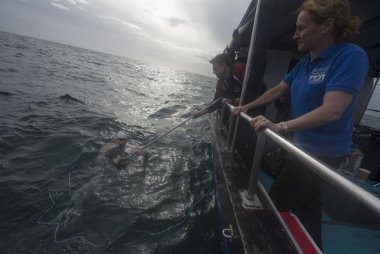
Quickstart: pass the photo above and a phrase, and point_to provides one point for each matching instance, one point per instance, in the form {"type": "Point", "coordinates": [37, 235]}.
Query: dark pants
{"type": "Point", "coordinates": [298, 189]}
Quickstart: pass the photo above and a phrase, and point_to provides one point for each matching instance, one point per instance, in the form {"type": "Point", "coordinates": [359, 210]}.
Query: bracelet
{"type": "Point", "coordinates": [284, 126]}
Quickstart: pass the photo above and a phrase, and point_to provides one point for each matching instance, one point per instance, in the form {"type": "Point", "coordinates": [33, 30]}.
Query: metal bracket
{"type": "Point", "coordinates": [229, 233]}
{"type": "Point", "coordinates": [250, 202]}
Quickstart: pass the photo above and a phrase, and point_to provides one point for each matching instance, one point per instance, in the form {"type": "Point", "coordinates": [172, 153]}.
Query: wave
{"type": "Point", "coordinates": [135, 92]}
{"type": "Point", "coordinates": [5, 93]}
{"type": "Point", "coordinates": [166, 112]}
{"type": "Point", "coordinates": [8, 70]}
{"type": "Point", "coordinates": [97, 63]}
{"type": "Point", "coordinates": [21, 47]}
{"type": "Point", "coordinates": [5, 147]}
{"type": "Point", "coordinates": [18, 55]}
{"type": "Point", "coordinates": [69, 98]}
{"type": "Point", "coordinates": [54, 129]}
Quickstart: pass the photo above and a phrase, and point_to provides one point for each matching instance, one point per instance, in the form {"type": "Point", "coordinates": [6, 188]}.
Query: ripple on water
{"type": "Point", "coordinates": [52, 130]}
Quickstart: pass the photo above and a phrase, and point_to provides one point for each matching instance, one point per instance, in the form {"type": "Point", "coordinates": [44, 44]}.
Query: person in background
{"type": "Point", "coordinates": [230, 80]}
{"type": "Point", "coordinates": [118, 149]}
{"type": "Point", "coordinates": [324, 87]}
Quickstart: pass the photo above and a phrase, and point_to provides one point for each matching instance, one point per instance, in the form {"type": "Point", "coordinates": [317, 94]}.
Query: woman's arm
{"type": "Point", "coordinates": [269, 96]}
{"type": "Point", "coordinates": [334, 104]}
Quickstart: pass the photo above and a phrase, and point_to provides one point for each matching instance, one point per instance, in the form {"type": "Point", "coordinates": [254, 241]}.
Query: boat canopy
{"type": "Point", "coordinates": [283, 27]}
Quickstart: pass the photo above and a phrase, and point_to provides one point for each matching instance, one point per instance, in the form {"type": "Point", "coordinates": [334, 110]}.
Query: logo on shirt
{"type": "Point", "coordinates": [317, 75]}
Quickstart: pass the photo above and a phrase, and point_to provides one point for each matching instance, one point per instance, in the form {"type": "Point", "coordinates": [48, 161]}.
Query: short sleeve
{"type": "Point", "coordinates": [288, 79]}
{"type": "Point", "coordinates": [349, 71]}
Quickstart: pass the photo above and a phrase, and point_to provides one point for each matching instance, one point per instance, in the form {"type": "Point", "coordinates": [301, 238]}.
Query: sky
{"type": "Point", "coordinates": [179, 34]}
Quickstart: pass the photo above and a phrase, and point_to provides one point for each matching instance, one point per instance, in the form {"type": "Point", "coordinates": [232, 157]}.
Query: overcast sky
{"type": "Point", "coordinates": [182, 34]}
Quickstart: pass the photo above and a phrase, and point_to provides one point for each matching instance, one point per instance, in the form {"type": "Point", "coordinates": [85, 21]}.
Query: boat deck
{"type": "Point", "coordinates": [343, 234]}
{"type": "Point", "coordinates": [260, 230]}
{"type": "Point", "coordinates": [347, 228]}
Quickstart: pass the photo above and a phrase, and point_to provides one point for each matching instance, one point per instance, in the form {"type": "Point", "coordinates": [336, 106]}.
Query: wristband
{"type": "Point", "coordinates": [284, 126]}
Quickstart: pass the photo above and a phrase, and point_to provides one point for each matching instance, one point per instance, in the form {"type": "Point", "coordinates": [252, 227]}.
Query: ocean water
{"type": "Point", "coordinates": [59, 105]}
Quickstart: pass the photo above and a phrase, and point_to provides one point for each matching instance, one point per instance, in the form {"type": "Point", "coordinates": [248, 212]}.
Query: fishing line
{"type": "Point", "coordinates": [182, 220]}
{"type": "Point", "coordinates": [57, 225]}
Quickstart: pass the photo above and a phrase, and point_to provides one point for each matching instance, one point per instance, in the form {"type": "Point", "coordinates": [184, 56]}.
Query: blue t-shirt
{"type": "Point", "coordinates": [340, 67]}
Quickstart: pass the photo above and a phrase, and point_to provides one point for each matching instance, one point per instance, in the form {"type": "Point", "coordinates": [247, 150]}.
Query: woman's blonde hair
{"type": "Point", "coordinates": [346, 26]}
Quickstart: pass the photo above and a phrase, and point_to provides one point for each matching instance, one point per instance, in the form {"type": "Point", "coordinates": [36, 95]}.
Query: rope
{"type": "Point", "coordinates": [182, 220]}
{"type": "Point", "coordinates": [57, 224]}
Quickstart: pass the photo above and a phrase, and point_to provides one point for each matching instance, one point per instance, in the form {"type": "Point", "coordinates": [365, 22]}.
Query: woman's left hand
{"type": "Point", "coordinates": [260, 123]}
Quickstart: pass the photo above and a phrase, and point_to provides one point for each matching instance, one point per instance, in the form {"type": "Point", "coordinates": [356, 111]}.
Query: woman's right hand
{"type": "Point", "coordinates": [239, 109]}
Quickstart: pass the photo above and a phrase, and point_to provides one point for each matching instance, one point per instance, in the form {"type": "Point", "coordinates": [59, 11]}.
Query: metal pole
{"type": "Point", "coordinates": [259, 152]}
{"type": "Point", "coordinates": [202, 112]}
{"type": "Point", "coordinates": [230, 130]}
{"type": "Point", "coordinates": [249, 199]}
{"type": "Point", "coordinates": [328, 174]}
{"type": "Point", "coordinates": [156, 139]}
{"type": "Point", "coordinates": [222, 117]}
{"type": "Point", "coordinates": [248, 67]}
{"type": "Point", "coordinates": [259, 43]}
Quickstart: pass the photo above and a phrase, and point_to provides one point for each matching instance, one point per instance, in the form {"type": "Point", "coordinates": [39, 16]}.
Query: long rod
{"type": "Point", "coordinates": [202, 112]}
{"type": "Point", "coordinates": [156, 139]}
{"type": "Point", "coordinates": [368, 199]}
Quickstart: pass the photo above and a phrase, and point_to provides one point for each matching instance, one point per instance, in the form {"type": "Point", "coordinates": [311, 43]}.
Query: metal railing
{"type": "Point", "coordinates": [328, 174]}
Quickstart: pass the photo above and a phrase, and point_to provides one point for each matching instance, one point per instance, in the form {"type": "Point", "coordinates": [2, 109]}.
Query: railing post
{"type": "Point", "coordinates": [259, 152]}
{"type": "Point", "coordinates": [249, 199]}
{"type": "Point", "coordinates": [222, 113]}
{"type": "Point", "coordinates": [230, 131]}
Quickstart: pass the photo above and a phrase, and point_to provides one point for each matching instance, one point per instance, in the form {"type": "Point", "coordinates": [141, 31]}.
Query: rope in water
{"type": "Point", "coordinates": [181, 220]}
{"type": "Point", "coordinates": [57, 225]}
{"type": "Point", "coordinates": [170, 228]}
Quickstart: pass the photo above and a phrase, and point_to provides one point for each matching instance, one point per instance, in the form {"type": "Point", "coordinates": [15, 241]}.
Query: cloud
{"type": "Point", "coordinates": [120, 21]}
{"type": "Point", "coordinates": [82, 9]}
{"type": "Point", "coordinates": [192, 34]}
{"type": "Point", "coordinates": [76, 2]}
{"type": "Point", "coordinates": [176, 21]}
{"type": "Point", "coordinates": [166, 31]}
{"type": "Point", "coordinates": [60, 6]}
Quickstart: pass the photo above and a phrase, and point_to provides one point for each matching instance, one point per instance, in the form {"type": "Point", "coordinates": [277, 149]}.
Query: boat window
{"type": "Point", "coordinates": [371, 117]}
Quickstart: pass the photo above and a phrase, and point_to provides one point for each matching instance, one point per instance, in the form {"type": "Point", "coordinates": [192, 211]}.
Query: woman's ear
{"type": "Point", "coordinates": [328, 26]}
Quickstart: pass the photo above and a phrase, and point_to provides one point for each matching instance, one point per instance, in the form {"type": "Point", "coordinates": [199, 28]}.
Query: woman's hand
{"type": "Point", "coordinates": [260, 123]}
{"type": "Point", "coordinates": [239, 109]}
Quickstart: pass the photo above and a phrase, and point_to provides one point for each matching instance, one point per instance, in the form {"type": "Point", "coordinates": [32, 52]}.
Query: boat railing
{"type": "Point", "coordinates": [325, 172]}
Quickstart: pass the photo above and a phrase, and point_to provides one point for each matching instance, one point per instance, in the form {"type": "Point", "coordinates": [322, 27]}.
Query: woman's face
{"type": "Point", "coordinates": [308, 33]}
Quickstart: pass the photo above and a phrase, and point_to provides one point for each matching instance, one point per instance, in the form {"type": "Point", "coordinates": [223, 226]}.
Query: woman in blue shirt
{"type": "Point", "coordinates": [324, 87]}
